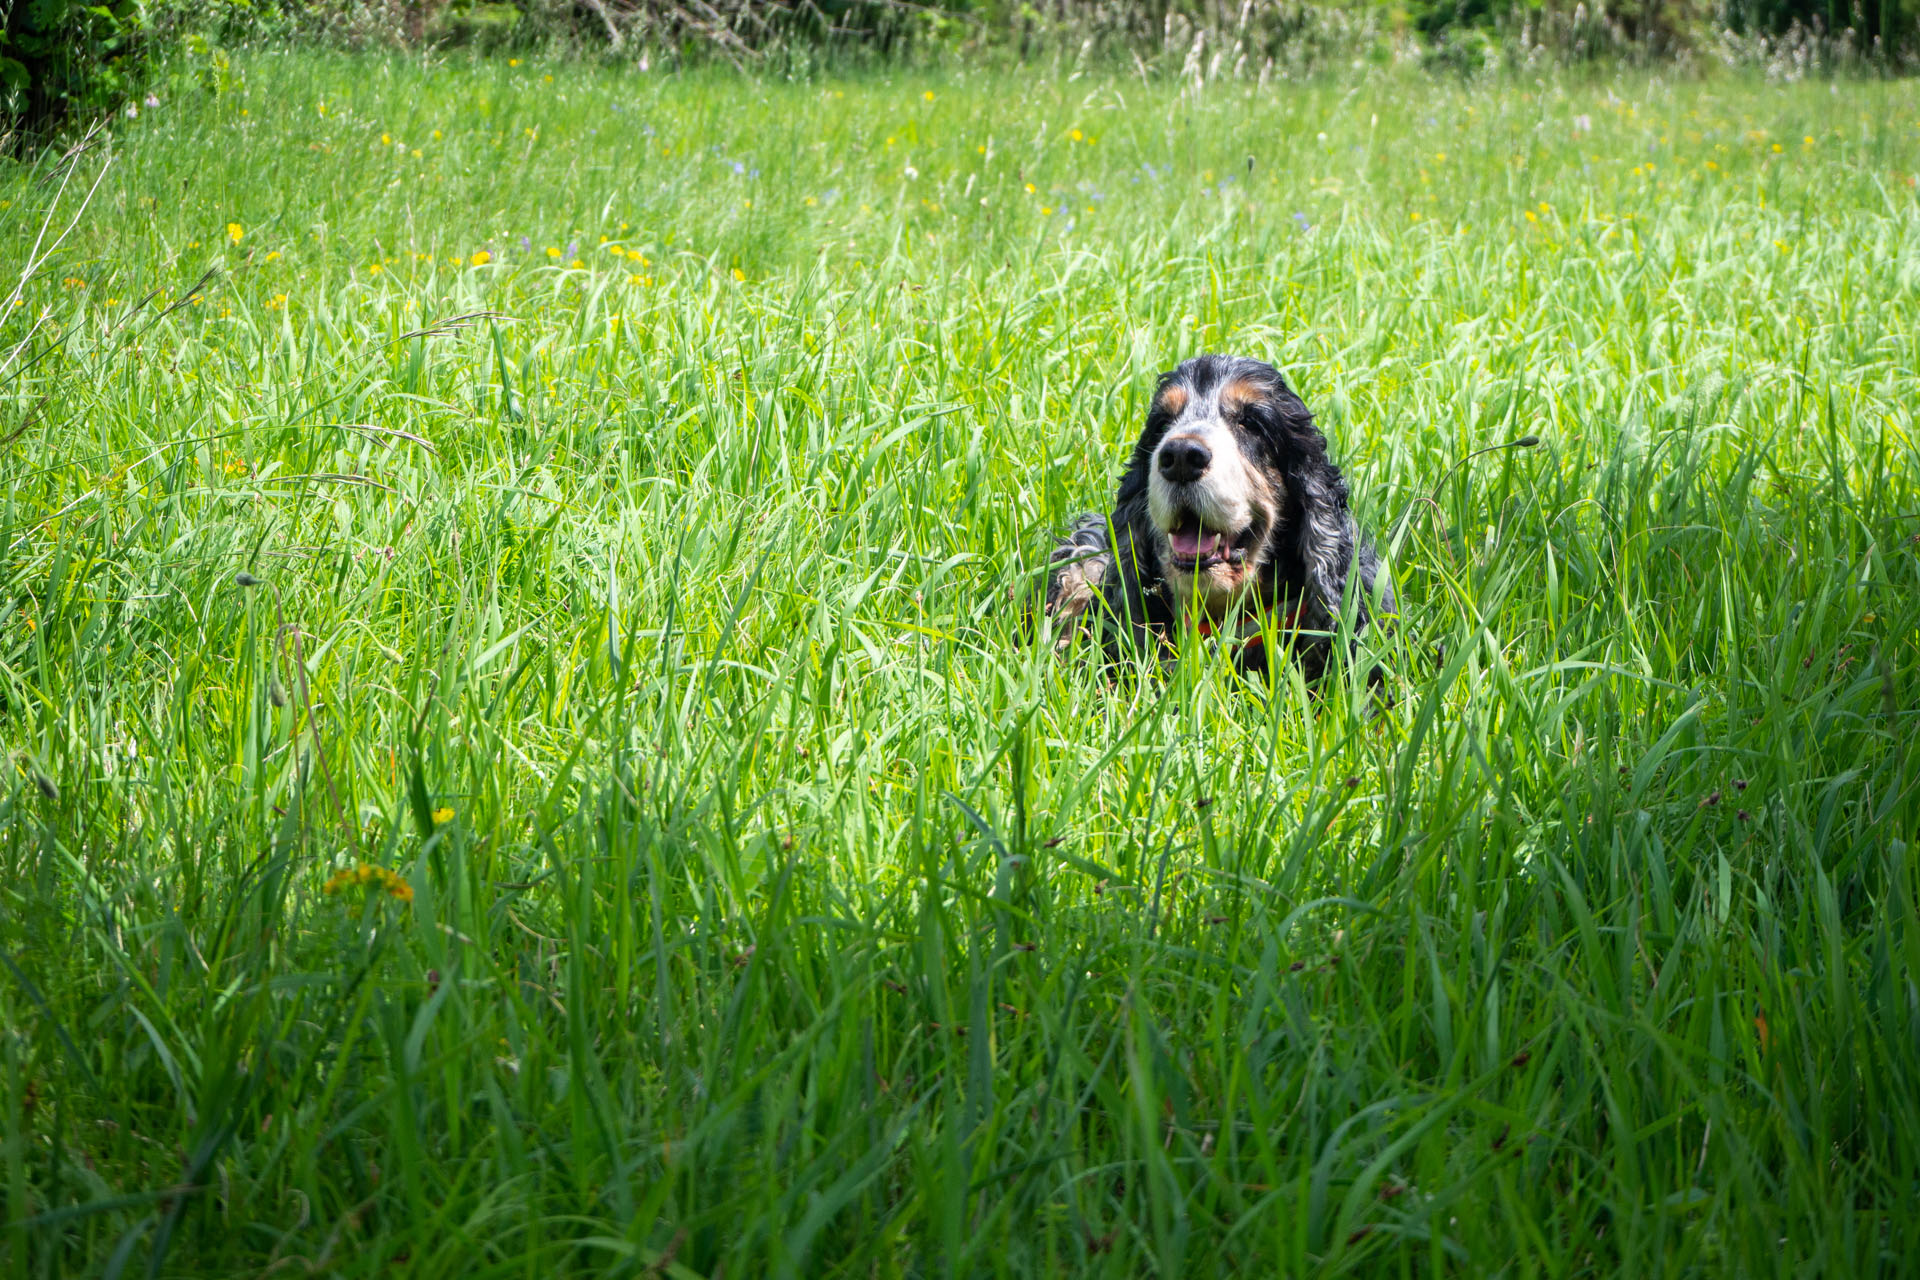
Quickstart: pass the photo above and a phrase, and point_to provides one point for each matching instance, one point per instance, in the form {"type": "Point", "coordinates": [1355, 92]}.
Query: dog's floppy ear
{"type": "Point", "coordinates": [1318, 522]}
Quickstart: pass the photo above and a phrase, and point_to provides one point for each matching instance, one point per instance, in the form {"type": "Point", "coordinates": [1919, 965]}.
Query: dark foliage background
{"type": "Point", "coordinates": [68, 60]}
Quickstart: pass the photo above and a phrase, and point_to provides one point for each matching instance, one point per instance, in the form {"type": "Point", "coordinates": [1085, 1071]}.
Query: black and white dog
{"type": "Point", "coordinates": [1229, 511]}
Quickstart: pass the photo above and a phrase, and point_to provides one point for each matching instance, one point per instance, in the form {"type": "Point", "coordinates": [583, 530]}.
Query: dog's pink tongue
{"type": "Point", "coordinates": [1194, 544]}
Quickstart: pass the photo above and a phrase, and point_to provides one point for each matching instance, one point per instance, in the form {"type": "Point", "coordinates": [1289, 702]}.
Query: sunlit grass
{"type": "Point", "coordinates": [521, 756]}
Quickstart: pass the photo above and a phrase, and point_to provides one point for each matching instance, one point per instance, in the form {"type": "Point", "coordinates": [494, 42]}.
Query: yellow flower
{"type": "Point", "coordinates": [442, 816]}
{"type": "Point", "coordinates": [576, 264]}
{"type": "Point", "coordinates": [272, 255]}
{"type": "Point", "coordinates": [386, 139]}
{"type": "Point", "coordinates": [1076, 135]}
{"type": "Point", "coordinates": [981, 148]}
{"type": "Point", "coordinates": [235, 466]}
{"type": "Point", "coordinates": [436, 135]}
{"type": "Point", "coordinates": [928, 95]}
{"type": "Point", "coordinates": [74, 282]}
{"type": "Point", "coordinates": [416, 153]}
{"type": "Point", "coordinates": [458, 262]}
{"type": "Point", "coordinates": [363, 875]}
{"type": "Point", "coordinates": [616, 251]}
{"type": "Point", "coordinates": [739, 275]}
{"type": "Point", "coordinates": [234, 232]}
{"type": "Point", "coordinates": [1777, 148]}
{"type": "Point", "coordinates": [375, 268]}
{"type": "Point", "coordinates": [1416, 215]}
{"type": "Point", "coordinates": [480, 258]}
{"type": "Point", "coordinates": [513, 62]}
{"type": "Point", "coordinates": [1029, 188]}
{"type": "Point", "coordinates": [553, 252]}
{"type": "Point", "coordinates": [1046, 211]}
{"type": "Point", "coordinates": [1530, 217]}
{"type": "Point", "coordinates": [277, 302]}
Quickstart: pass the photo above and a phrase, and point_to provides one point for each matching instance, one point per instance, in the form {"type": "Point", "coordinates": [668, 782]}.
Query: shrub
{"type": "Point", "coordinates": [59, 58]}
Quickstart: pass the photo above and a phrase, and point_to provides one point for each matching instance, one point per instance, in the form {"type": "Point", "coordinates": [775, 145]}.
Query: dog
{"type": "Point", "coordinates": [1228, 512]}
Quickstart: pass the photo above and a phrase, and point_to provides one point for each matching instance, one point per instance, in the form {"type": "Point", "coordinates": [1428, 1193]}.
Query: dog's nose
{"type": "Point", "coordinates": [1184, 458]}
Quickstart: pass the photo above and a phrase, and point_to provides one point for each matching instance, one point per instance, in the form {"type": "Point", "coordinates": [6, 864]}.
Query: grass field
{"type": "Point", "coordinates": [758, 901]}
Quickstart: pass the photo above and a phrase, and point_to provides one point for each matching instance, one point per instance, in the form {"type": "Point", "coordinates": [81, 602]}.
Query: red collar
{"type": "Point", "coordinates": [1253, 644]}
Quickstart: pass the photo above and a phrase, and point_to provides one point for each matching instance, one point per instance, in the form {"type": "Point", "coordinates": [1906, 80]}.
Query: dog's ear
{"type": "Point", "coordinates": [1318, 523]}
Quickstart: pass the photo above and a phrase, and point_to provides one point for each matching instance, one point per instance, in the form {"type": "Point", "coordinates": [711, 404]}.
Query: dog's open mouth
{"type": "Point", "coordinates": [1194, 546]}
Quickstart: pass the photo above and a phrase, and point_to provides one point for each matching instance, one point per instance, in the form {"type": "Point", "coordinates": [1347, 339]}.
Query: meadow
{"type": "Point", "coordinates": [523, 754]}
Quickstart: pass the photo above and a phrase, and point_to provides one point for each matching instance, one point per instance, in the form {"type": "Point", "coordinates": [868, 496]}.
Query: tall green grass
{"type": "Point", "coordinates": [640, 597]}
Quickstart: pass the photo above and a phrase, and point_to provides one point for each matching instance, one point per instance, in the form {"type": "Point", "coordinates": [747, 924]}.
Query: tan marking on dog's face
{"type": "Point", "coordinates": [1238, 394]}
{"type": "Point", "coordinates": [1171, 401]}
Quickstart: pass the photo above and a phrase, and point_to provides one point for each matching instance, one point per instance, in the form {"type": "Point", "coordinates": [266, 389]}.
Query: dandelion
{"type": "Point", "coordinates": [436, 135]}
{"type": "Point", "coordinates": [379, 879]}
{"type": "Point", "coordinates": [553, 253]}
{"type": "Point", "coordinates": [1046, 211]}
{"type": "Point", "coordinates": [442, 816]}
{"type": "Point", "coordinates": [272, 255]}
{"type": "Point", "coordinates": [928, 95]}
{"type": "Point", "coordinates": [375, 268]}
{"type": "Point", "coordinates": [1029, 188]}
{"type": "Point", "coordinates": [513, 62]}
{"type": "Point", "coordinates": [576, 265]}
{"type": "Point", "coordinates": [386, 139]}
{"type": "Point", "coordinates": [234, 232]}
{"type": "Point", "coordinates": [1777, 148]}
{"type": "Point", "coordinates": [981, 149]}
{"type": "Point", "coordinates": [1077, 136]}
{"type": "Point", "coordinates": [739, 276]}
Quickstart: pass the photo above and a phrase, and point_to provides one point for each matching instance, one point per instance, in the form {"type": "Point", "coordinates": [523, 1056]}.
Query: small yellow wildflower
{"type": "Point", "coordinates": [277, 302]}
{"type": "Point", "coordinates": [458, 262]}
{"type": "Point", "coordinates": [234, 232]}
{"type": "Point", "coordinates": [362, 876]}
{"type": "Point", "coordinates": [575, 265]}
{"type": "Point", "coordinates": [480, 258]}
{"type": "Point", "coordinates": [235, 466]}
{"type": "Point", "coordinates": [928, 95]}
{"type": "Point", "coordinates": [436, 135]}
{"type": "Point", "coordinates": [386, 139]}
{"type": "Point", "coordinates": [1530, 217]}
{"type": "Point", "coordinates": [1777, 148]}
{"type": "Point", "coordinates": [1029, 188]}
{"type": "Point", "coordinates": [1076, 135]}
{"type": "Point", "coordinates": [375, 268]}
{"type": "Point", "coordinates": [553, 252]}
{"type": "Point", "coordinates": [739, 275]}
{"type": "Point", "coordinates": [616, 251]}
{"type": "Point", "coordinates": [513, 62]}
{"type": "Point", "coordinates": [74, 282]}
{"type": "Point", "coordinates": [1046, 211]}
{"type": "Point", "coordinates": [981, 148]}
{"type": "Point", "coordinates": [442, 815]}
{"type": "Point", "coordinates": [272, 254]}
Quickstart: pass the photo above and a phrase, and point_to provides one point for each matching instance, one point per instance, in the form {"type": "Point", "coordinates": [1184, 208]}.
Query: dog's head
{"type": "Point", "coordinates": [1225, 441]}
